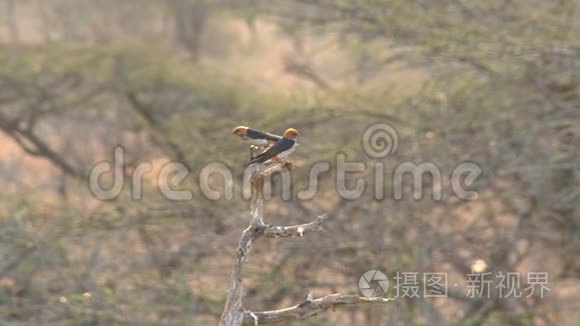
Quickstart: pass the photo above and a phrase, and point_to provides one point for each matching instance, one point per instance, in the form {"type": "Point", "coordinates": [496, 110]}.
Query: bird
{"type": "Point", "coordinates": [258, 140]}
{"type": "Point", "coordinates": [279, 151]}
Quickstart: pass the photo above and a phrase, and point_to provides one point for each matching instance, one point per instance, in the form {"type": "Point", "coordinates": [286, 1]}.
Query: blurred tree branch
{"type": "Point", "coordinates": [35, 146]}
{"type": "Point", "coordinates": [158, 134]}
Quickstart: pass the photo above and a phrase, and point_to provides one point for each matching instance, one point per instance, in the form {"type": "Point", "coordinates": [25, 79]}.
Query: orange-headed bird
{"type": "Point", "coordinates": [259, 139]}
{"type": "Point", "coordinates": [279, 151]}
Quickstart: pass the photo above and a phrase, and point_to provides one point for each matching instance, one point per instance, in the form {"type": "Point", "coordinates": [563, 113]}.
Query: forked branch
{"type": "Point", "coordinates": [234, 314]}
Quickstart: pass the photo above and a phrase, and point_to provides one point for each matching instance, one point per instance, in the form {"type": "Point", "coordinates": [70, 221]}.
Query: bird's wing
{"type": "Point", "coordinates": [257, 134]}
{"type": "Point", "coordinates": [281, 146]}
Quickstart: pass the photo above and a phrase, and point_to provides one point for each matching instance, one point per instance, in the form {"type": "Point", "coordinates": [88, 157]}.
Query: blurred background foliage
{"type": "Point", "coordinates": [496, 83]}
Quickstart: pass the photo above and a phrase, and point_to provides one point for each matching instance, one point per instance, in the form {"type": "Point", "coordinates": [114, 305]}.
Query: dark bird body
{"type": "Point", "coordinates": [260, 139]}
{"type": "Point", "coordinates": [273, 147]}
{"type": "Point", "coordinates": [281, 150]}
{"type": "Point", "coordinates": [257, 134]}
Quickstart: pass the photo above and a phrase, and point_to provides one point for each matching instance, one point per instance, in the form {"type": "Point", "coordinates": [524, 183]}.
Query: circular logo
{"type": "Point", "coordinates": [380, 140]}
{"type": "Point", "coordinates": [370, 289]}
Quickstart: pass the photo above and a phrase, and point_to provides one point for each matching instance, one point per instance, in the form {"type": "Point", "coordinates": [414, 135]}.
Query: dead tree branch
{"type": "Point", "coordinates": [234, 314]}
{"type": "Point", "coordinates": [307, 308]}
{"type": "Point", "coordinates": [295, 231]}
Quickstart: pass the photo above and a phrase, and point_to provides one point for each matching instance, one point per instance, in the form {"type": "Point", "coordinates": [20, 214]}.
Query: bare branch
{"type": "Point", "coordinates": [160, 136]}
{"type": "Point", "coordinates": [295, 231]}
{"type": "Point", "coordinates": [36, 146]}
{"type": "Point", "coordinates": [233, 313]}
{"type": "Point", "coordinates": [307, 308]}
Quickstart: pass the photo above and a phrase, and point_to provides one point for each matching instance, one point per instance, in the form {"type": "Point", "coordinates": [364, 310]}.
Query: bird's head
{"type": "Point", "coordinates": [240, 131]}
{"type": "Point", "coordinates": [291, 133]}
